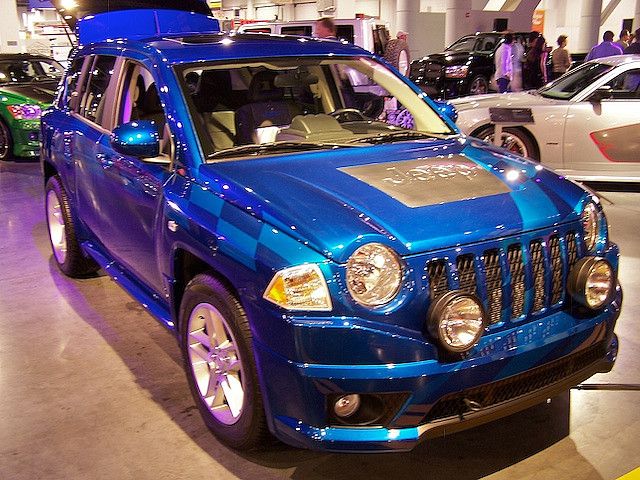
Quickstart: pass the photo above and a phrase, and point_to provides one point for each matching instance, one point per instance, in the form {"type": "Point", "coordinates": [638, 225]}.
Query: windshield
{"type": "Point", "coordinates": [475, 43]}
{"type": "Point", "coordinates": [25, 71]}
{"type": "Point", "coordinates": [278, 104]}
{"type": "Point", "coordinates": [568, 86]}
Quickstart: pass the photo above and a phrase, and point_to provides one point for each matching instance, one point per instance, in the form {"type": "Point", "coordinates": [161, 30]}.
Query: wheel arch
{"type": "Point", "coordinates": [186, 265]}
{"type": "Point", "coordinates": [48, 171]}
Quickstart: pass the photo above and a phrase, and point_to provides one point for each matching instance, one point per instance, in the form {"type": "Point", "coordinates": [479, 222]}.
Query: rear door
{"type": "Point", "coordinates": [603, 138]}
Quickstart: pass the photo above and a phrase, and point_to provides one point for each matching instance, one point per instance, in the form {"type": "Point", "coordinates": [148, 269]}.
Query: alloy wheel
{"type": "Point", "coordinates": [57, 229]}
{"type": "Point", "coordinates": [216, 363]}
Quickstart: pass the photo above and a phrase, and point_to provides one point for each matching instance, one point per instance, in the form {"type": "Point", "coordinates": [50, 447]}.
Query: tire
{"type": "Point", "coordinates": [62, 232]}
{"type": "Point", "coordinates": [6, 142]}
{"type": "Point", "coordinates": [479, 85]}
{"type": "Point", "coordinates": [513, 139]}
{"type": "Point", "coordinates": [397, 54]}
{"type": "Point", "coordinates": [216, 344]}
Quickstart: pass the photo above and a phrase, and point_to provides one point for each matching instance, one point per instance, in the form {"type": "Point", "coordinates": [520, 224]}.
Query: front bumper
{"type": "Point", "coordinates": [509, 371]}
{"type": "Point", "coordinates": [26, 138]}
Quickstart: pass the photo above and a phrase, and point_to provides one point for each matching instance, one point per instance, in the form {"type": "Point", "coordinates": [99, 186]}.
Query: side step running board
{"type": "Point", "coordinates": [151, 302]}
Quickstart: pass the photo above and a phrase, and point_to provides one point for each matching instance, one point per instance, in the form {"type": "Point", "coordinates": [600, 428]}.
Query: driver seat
{"type": "Point", "coordinates": [267, 107]}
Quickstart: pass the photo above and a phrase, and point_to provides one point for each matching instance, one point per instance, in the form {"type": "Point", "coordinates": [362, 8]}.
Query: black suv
{"type": "Point", "coordinates": [464, 68]}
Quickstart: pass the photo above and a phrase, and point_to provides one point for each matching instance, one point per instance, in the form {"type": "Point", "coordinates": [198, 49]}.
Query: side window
{"type": "Point", "coordinates": [302, 30]}
{"type": "Point", "coordinates": [626, 85]}
{"type": "Point", "coordinates": [70, 94]}
{"type": "Point", "coordinates": [94, 98]}
{"type": "Point", "coordinates": [138, 99]}
{"type": "Point", "coordinates": [345, 32]}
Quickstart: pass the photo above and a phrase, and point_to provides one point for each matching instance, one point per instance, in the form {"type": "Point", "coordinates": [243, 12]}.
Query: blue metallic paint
{"type": "Point", "coordinates": [246, 225]}
{"type": "Point", "coordinates": [137, 139]}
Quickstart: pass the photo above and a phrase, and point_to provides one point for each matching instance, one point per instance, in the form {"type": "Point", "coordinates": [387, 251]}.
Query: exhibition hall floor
{"type": "Point", "coordinates": [92, 387]}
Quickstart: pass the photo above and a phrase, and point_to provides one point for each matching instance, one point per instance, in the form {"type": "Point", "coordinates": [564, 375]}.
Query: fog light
{"type": "Point", "coordinates": [591, 282]}
{"type": "Point", "coordinates": [347, 405]}
{"type": "Point", "coordinates": [456, 320]}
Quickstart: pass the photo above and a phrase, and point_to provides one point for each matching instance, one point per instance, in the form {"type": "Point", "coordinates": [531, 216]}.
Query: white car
{"type": "Point", "coordinates": [585, 125]}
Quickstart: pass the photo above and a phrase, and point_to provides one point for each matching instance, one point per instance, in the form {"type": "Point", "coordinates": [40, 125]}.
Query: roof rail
{"type": "Point", "coordinates": [142, 23]}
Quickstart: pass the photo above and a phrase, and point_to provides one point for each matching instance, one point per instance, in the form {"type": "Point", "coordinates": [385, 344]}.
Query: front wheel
{"type": "Point", "coordinates": [62, 232]}
{"type": "Point", "coordinates": [479, 85]}
{"type": "Point", "coordinates": [6, 143]}
{"type": "Point", "coordinates": [513, 139]}
{"type": "Point", "coordinates": [216, 345]}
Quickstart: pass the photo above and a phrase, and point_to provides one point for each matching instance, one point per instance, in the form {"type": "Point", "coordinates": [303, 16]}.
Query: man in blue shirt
{"type": "Point", "coordinates": [605, 49]}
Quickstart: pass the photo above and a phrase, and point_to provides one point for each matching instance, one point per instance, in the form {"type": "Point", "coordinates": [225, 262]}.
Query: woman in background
{"type": "Point", "coordinates": [560, 58]}
{"type": "Point", "coordinates": [535, 63]}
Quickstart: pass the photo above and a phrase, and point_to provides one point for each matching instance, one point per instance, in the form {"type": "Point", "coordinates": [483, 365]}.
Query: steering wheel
{"type": "Point", "coordinates": [343, 115]}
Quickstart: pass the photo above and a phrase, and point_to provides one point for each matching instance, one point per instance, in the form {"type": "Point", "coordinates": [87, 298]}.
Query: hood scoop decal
{"type": "Point", "coordinates": [422, 182]}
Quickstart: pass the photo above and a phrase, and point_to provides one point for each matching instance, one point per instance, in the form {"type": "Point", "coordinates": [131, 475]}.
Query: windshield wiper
{"type": "Point", "coordinates": [273, 147]}
{"type": "Point", "coordinates": [398, 136]}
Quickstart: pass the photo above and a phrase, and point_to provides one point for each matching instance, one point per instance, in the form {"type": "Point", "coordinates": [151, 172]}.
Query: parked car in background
{"type": "Point", "coordinates": [466, 67]}
{"type": "Point", "coordinates": [27, 86]}
{"type": "Point", "coordinates": [333, 278]}
{"type": "Point", "coordinates": [365, 33]}
{"type": "Point", "coordinates": [586, 124]}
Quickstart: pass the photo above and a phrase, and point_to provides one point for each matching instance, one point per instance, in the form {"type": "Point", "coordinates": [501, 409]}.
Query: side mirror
{"type": "Point", "coordinates": [603, 92]}
{"type": "Point", "coordinates": [139, 138]}
{"type": "Point", "coordinates": [447, 109]}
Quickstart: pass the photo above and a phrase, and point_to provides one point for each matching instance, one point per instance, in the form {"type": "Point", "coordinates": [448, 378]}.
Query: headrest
{"type": "Point", "coordinates": [263, 89]}
{"type": "Point", "coordinates": [151, 101]}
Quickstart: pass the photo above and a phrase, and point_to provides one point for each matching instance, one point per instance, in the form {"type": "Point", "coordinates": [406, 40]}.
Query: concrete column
{"type": "Point", "coordinates": [589, 32]}
{"type": "Point", "coordinates": [406, 10]}
{"type": "Point", "coordinates": [636, 17]}
{"type": "Point", "coordinates": [251, 11]}
{"type": "Point", "coordinates": [9, 26]}
{"type": "Point", "coordinates": [288, 12]}
{"type": "Point", "coordinates": [457, 20]}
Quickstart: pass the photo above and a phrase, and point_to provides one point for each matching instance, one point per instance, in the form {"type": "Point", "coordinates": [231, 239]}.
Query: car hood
{"type": "Point", "coordinates": [504, 100]}
{"type": "Point", "coordinates": [41, 94]}
{"type": "Point", "coordinates": [413, 196]}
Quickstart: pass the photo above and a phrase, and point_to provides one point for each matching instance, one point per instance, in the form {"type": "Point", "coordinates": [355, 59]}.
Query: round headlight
{"type": "Point", "coordinates": [591, 282]}
{"type": "Point", "coordinates": [374, 275]}
{"type": "Point", "coordinates": [590, 225]}
{"type": "Point", "coordinates": [457, 320]}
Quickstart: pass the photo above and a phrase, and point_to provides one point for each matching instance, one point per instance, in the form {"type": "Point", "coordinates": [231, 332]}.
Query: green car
{"type": "Point", "coordinates": [27, 86]}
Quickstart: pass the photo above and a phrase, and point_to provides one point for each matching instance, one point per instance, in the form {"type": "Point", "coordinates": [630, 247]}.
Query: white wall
{"type": "Point", "coordinates": [426, 34]}
{"type": "Point", "coordinates": [9, 26]}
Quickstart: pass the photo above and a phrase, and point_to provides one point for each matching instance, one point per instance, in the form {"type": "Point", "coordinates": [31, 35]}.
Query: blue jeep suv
{"type": "Point", "coordinates": [341, 267]}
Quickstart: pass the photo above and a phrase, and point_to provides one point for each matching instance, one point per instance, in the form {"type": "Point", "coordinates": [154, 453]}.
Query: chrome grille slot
{"type": "Point", "coordinates": [493, 282]}
{"type": "Point", "coordinates": [438, 282]}
{"type": "Point", "coordinates": [537, 271]}
{"type": "Point", "coordinates": [556, 269]}
{"type": "Point", "coordinates": [466, 273]}
{"type": "Point", "coordinates": [516, 267]}
{"type": "Point", "coordinates": [572, 250]}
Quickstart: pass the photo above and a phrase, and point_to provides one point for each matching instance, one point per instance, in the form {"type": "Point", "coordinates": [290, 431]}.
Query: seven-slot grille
{"type": "Point", "coordinates": [501, 276]}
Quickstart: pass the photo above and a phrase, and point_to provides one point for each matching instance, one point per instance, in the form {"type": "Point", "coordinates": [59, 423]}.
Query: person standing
{"type": "Point", "coordinates": [536, 63]}
{"type": "Point", "coordinates": [623, 41]}
{"type": "Point", "coordinates": [635, 46]}
{"type": "Point", "coordinates": [517, 50]}
{"type": "Point", "coordinates": [560, 58]}
{"type": "Point", "coordinates": [326, 28]}
{"type": "Point", "coordinates": [504, 63]}
{"type": "Point", "coordinates": [604, 49]}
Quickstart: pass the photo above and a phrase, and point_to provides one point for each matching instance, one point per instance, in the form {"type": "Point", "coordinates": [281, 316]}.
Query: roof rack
{"type": "Point", "coordinates": [142, 24]}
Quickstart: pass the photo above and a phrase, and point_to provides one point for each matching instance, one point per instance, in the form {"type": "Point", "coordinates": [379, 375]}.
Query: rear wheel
{"type": "Point", "coordinates": [62, 232]}
{"type": "Point", "coordinates": [6, 143]}
{"type": "Point", "coordinates": [218, 357]}
{"type": "Point", "coordinates": [513, 139]}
